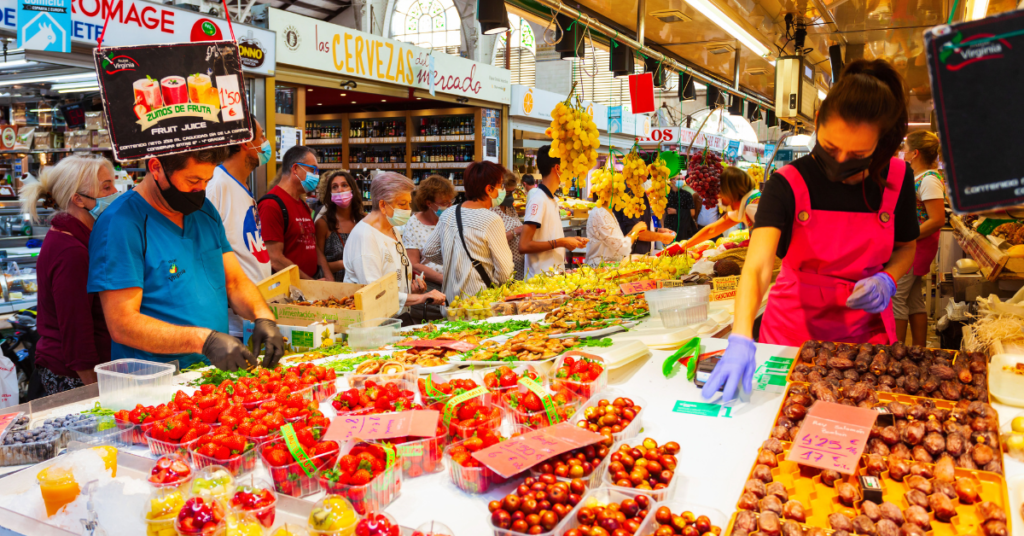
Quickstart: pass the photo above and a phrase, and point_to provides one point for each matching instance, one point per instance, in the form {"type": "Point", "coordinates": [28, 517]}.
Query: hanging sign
{"type": "Point", "coordinates": [44, 25]}
{"type": "Point", "coordinates": [169, 99]}
{"type": "Point", "coordinates": [975, 79]}
{"type": "Point", "coordinates": [733, 150]}
{"type": "Point", "coordinates": [641, 93]}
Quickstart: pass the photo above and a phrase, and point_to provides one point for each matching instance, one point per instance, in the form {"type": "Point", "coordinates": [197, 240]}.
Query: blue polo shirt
{"type": "Point", "coordinates": [179, 269]}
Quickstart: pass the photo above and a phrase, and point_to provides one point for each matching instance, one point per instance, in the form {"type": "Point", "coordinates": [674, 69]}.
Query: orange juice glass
{"type": "Point", "coordinates": [58, 487]}
{"type": "Point", "coordinates": [109, 455]}
{"type": "Point", "coordinates": [198, 85]}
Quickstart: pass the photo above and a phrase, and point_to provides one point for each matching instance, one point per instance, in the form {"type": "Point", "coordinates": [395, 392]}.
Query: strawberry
{"type": "Point", "coordinates": [305, 437]}
{"type": "Point", "coordinates": [190, 435]}
{"type": "Point", "coordinates": [360, 478]}
{"type": "Point", "coordinates": [258, 430]}
{"type": "Point", "coordinates": [279, 458]}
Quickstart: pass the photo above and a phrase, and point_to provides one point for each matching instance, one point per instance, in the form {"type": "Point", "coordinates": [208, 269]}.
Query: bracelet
{"type": "Point", "coordinates": [552, 244]}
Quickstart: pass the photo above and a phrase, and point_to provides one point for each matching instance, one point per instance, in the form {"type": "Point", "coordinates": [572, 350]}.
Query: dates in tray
{"type": "Point", "coordinates": [900, 369]}
{"type": "Point", "coordinates": [922, 430]}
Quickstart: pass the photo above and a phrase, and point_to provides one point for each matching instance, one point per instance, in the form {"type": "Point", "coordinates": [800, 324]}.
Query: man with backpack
{"type": "Point", "coordinates": [288, 229]}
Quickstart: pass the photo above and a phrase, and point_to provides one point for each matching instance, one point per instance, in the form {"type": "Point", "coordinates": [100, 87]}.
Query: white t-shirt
{"type": "Point", "coordinates": [542, 211]}
{"type": "Point", "coordinates": [606, 241]}
{"type": "Point", "coordinates": [369, 254]}
{"type": "Point", "coordinates": [931, 187]}
{"type": "Point", "coordinates": [414, 235]}
{"type": "Point", "coordinates": [241, 220]}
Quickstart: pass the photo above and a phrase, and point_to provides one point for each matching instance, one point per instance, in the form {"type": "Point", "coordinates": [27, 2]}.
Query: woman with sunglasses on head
{"type": "Point", "coordinates": [342, 209]}
{"type": "Point", "coordinates": [375, 247]}
{"type": "Point", "coordinates": [842, 219]}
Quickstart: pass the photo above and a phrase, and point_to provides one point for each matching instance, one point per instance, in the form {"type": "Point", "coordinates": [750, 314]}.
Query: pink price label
{"type": "Point", "coordinates": [833, 436]}
{"type": "Point", "coordinates": [514, 456]}
{"type": "Point", "coordinates": [419, 423]}
{"type": "Point", "coordinates": [7, 419]}
{"type": "Point", "coordinates": [637, 287]}
{"type": "Point", "coordinates": [457, 346]}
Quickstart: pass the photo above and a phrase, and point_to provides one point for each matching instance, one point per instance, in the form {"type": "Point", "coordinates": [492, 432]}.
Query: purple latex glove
{"type": "Point", "coordinates": [736, 364]}
{"type": "Point", "coordinates": [872, 294]}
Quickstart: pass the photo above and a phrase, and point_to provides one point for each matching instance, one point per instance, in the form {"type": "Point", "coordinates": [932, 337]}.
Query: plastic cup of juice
{"type": "Point", "coordinates": [147, 92]}
{"type": "Point", "coordinates": [58, 487]}
{"type": "Point", "coordinates": [174, 90]}
{"type": "Point", "coordinates": [198, 85]}
{"type": "Point", "coordinates": [109, 455]}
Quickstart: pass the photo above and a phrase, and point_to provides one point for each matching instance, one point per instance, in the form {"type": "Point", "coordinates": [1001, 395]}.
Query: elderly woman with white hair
{"type": "Point", "coordinates": [375, 247]}
{"type": "Point", "coordinates": [73, 336]}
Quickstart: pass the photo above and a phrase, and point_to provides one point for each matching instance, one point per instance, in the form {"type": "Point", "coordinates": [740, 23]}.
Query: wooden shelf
{"type": "Point", "coordinates": [440, 165]}
{"type": "Point", "coordinates": [444, 139]}
{"type": "Point", "coordinates": [376, 141]}
{"type": "Point", "coordinates": [377, 165]}
{"type": "Point", "coordinates": [334, 165]}
{"type": "Point", "coordinates": [324, 141]}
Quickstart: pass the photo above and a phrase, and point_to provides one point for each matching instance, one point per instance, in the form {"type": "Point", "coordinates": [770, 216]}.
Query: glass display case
{"type": "Point", "coordinates": [18, 283]}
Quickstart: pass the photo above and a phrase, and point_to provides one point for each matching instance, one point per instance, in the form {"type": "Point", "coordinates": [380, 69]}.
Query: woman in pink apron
{"type": "Point", "coordinates": [842, 219]}
{"type": "Point", "coordinates": [921, 151]}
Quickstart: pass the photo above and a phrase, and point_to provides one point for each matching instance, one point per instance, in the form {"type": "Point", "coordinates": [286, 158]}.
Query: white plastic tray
{"type": "Point", "coordinates": [1005, 386]}
{"type": "Point", "coordinates": [595, 333]}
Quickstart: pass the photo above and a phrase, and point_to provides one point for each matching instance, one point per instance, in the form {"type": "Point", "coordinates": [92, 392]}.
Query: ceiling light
{"type": "Point", "coordinates": [383, 100]}
{"type": "Point", "coordinates": [493, 17]}
{"type": "Point", "coordinates": [80, 89]}
{"type": "Point", "coordinates": [979, 8]}
{"type": "Point", "coordinates": [669, 16]}
{"type": "Point", "coordinates": [419, 98]}
{"type": "Point", "coordinates": [620, 61]}
{"type": "Point", "coordinates": [353, 102]}
{"type": "Point", "coordinates": [716, 15]}
{"type": "Point", "coordinates": [309, 89]}
{"type": "Point", "coordinates": [42, 110]}
{"type": "Point", "coordinates": [570, 47]}
{"type": "Point", "coordinates": [822, 95]}
{"type": "Point", "coordinates": [343, 94]}
{"type": "Point", "coordinates": [38, 80]}
{"type": "Point", "coordinates": [687, 89]}
{"type": "Point", "coordinates": [319, 104]}
{"type": "Point", "coordinates": [73, 85]}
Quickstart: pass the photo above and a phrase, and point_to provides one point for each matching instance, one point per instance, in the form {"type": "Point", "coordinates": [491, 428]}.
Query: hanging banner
{"type": "Point", "coordinates": [44, 25]}
{"type": "Point", "coordinates": [976, 76]}
{"type": "Point", "coordinates": [169, 99]}
{"type": "Point", "coordinates": [641, 92]}
{"type": "Point", "coordinates": [683, 136]}
{"type": "Point", "coordinates": [733, 150]}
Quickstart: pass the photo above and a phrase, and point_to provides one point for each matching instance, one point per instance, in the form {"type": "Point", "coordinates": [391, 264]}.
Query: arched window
{"type": "Point", "coordinates": [433, 24]}
{"type": "Point", "coordinates": [522, 55]}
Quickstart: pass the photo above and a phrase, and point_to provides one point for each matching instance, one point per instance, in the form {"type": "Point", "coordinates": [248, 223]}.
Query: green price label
{"type": "Point", "coordinates": [702, 408]}
{"type": "Point", "coordinates": [449, 408]}
{"type": "Point", "coordinates": [545, 399]}
{"type": "Point", "coordinates": [296, 449]}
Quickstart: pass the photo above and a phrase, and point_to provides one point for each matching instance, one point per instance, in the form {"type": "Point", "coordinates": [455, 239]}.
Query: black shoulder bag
{"type": "Point", "coordinates": [479, 267]}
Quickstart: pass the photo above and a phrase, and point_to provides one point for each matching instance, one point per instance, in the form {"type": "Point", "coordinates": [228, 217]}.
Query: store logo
{"type": "Point", "coordinates": [960, 52]}
{"type": "Point", "coordinates": [251, 52]}
{"type": "Point", "coordinates": [174, 272]}
{"type": "Point", "coordinates": [528, 101]}
{"type": "Point", "coordinates": [115, 64]}
{"type": "Point", "coordinates": [174, 269]}
{"type": "Point", "coordinates": [292, 40]}
{"type": "Point", "coordinates": [8, 137]}
{"type": "Point", "coordinates": [205, 30]}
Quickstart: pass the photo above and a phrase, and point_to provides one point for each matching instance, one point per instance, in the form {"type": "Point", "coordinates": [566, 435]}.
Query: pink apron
{"type": "Point", "coordinates": [829, 252]}
{"type": "Point", "coordinates": [927, 247]}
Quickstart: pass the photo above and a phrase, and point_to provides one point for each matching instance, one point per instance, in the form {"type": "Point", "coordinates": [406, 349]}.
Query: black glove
{"type": "Point", "coordinates": [227, 352]}
{"type": "Point", "coordinates": [266, 332]}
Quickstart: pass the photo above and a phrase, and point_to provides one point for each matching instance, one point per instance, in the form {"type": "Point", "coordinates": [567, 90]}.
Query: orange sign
{"type": "Point", "coordinates": [528, 101]}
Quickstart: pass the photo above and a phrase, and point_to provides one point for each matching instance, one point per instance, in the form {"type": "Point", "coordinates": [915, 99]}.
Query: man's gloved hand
{"type": "Point", "coordinates": [266, 333]}
{"type": "Point", "coordinates": [227, 352]}
{"type": "Point", "coordinates": [736, 364]}
{"type": "Point", "coordinates": [872, 294]}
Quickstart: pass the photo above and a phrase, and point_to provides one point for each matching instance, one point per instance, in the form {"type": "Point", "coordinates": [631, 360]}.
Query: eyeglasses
{"type": "Point", "coordinates": [401, 253]}
{"type": "Point", "coordinates": [314, 169]}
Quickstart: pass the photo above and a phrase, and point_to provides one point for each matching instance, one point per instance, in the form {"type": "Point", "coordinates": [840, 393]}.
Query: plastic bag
{"type": "Point", "coordinates": [703, 266]}
{"type": "Point", "coordinates": [8, 383]}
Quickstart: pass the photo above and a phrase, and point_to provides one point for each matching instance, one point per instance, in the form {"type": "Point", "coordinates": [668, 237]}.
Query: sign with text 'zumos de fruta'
{"type": "Point", "coordinates": [168, 99]}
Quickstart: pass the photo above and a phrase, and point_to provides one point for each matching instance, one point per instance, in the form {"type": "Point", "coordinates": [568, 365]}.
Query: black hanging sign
{"type": "Point", "coordinates": [977, 72]}
{"type": "Point", "coordinates": [168, 99]}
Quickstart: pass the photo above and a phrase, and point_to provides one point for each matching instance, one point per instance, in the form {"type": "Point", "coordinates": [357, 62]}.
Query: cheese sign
{"type": "Point", "coordinates": [637, 287]}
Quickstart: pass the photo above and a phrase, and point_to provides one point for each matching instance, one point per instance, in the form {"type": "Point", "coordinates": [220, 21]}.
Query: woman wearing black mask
{"type": "Point", "coordinates": [842, 219]}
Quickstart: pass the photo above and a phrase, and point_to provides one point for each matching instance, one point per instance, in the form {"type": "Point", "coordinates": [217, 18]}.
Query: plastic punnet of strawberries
{"type": "Point", "coordinates": [421, 455]}
{"type": "Point", "coordinates": [441, 391]}
{"type": "Point", "coordinates": [350, 476]}
{"type": "Point", "coordinates": [527, 408]}
{"type": "Point", "coordinates": [505, 378]}
{"type": "Point", "coordinates": [286, 472]}
{"type": "Point", "coordinates": [178, 429]}
{"type": "Point", "coordinates": [225, 447]}
{"type": "Point", "coordinates": [375, 398]}
{"type": "Point", "coordinates": [578, 374]}
{"type": "Point", "coordinates": [470, 416]}
{"type": "Point", "coordinates": [466, 471]}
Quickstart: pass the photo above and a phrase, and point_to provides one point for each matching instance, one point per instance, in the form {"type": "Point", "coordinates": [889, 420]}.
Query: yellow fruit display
{"type": "Point", "coordinates": [574, 140]}
{"type": "Point", "coordinates": [631, 201]}
{"type": "Point", "coordinates": [658, 193]}
{"type": "Point", "coordinates": [607, 184]}
{"type": "Point", "coordinates": [756, 173]}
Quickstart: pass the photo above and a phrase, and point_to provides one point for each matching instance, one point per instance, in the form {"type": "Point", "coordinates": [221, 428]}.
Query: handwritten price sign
{"type": "Point", "coordinates": [420, 423]}
{"type": "Point", "coordinates": [514, 456]}
{"type": "Point", "coordinates": [637, 287]}
{"type": "Point", "coordinates": [833, 436]}
{"type": "Point", "coordinates": [457, 346]}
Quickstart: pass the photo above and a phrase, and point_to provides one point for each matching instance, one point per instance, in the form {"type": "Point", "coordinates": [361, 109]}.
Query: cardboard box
{"type": "Point", "coordinates": [299, 338]}
{"type": "Point", "coordinates": [376, 300]}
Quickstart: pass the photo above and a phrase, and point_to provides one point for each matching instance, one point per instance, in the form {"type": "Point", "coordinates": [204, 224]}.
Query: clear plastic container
{"type": "Point", "coordinates": [104, 431]}
{"type": "Point", "coordinates": [471, 479]}
{"type": "Point", "coordinates": [439, 378]}
{"type": "Point", "coordinates": [179, 481]}
{"type": "Point", "coordinates": [373, 496]}
{"type": "Point", "coordinates": [246, 490]}
{"type": "Point", "coordinates": [676, 297]}
{"type": "Point", "coordinates": [602, 497]}
{"type": "Point", "coordinates": [503, 308]}
{"type": "Point", "coordinates": [291, 479]}
{"type": "Point", "coordinates": [237, 465]}
{"type": "Point", "coordinates": [159, 448]}
{"type": "Point", "coordinates": [657, 494]}
{"type": "Point", "coordinates": [523, 420]}
{"type": "Point", "coordinates": [592, 480]}
{"type": "Point", "coordinates": [610, 394]}
{"type": "Point", "coordinates": [538, 305]}
{"type": "Point", "coordinates": [649, 526]}
{"type": "Point", "coordinates": [123, 383]}
{"type": "Point", "coordinates": [324, 391]}
{"type": "Point", "coordinates": [405, 379]}
{"type": "Point", "coordinates": [212, 482]}
{"type": "Point", "coordinates": [519, 370]}
{"type": "Point", "coordinates": [458, 431]}
{"type": "Point", "coordinates": [219, 511]}
{"type": "Point", "coordinates": [421, 457]}
{"type": "Point", "coordinates": [136, 433]}
{"type": "Point", "coordinates": [462, 313]}
{"type": "Point", "coordinates": [684, 315]}
{"type": "Point", "coordinates": [334, 516]}
{"type": "Point", "coordinates": [374, 333]}
{"type": "Point", "coordinates": [162, 511]}
{"type": "Point", "coordinates": [32, 453]}
{"type": "Point", "coordinates": [582, 389]}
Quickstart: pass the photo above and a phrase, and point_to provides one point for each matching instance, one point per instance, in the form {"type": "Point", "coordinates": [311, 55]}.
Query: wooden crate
{"type": "Point", "coordinates": [376, 300]}
{"type": "Point", "coordinates": [994, 263]}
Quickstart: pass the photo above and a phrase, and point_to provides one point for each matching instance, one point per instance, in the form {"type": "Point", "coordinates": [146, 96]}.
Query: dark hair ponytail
{"type": "Point", "coordinates": [871, 92]}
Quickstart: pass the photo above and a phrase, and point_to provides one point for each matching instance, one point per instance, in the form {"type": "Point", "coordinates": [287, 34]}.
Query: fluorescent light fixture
{"type": "Point", "coordinates": [698, 86]}
{"type": "Point", "coordinates": [822, 95]}
{"type": "Point", "coordinates": [979, 8]}
{"type": "Point", "coordinates": [42, 110]}
{"type": "Point", "coordinates": [716, 15]}
{"type": "Point", "coordinates": [16, 63]}
{"type": "Point", "coordinates": [80, 89]}
{"type": "Point", "coordinates": [383, 100]}
{"type": "Point", "coordinates": [919, 124]}
{"type": "Point", "coordinates": [353, 102]}
{"type": "Point", "coordinates": [343, 94]}
{"type": "Point", "coordinates": [73, 85]}
{"type": "Point", "coordinates": [46, 79]}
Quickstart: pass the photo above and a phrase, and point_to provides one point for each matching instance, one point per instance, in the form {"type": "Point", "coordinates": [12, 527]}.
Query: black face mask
{"type": "Point", "coordinates": [509, 199]}
{"type": "Point", "coordinates": [836, 171]}
{"type": "Point", "coordinates": [183, 202]}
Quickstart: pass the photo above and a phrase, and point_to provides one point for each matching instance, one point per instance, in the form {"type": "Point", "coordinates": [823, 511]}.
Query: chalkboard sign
{"type": "Point", "coordinates": [977, 76]}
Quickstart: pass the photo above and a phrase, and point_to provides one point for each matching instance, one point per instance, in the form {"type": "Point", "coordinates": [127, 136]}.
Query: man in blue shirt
{"type": "Point", "coordinates": [165, 272]}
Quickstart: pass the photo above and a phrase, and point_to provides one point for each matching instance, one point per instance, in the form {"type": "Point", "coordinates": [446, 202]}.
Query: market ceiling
{"type": "Point", "coordinates": [889, 29]}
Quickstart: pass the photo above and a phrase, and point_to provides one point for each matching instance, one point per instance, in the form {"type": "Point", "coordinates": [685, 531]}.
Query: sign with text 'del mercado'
{"type": "Point", "coordinates": [168, 99]}
{"type": "Point", "coordinates": [338, 50]}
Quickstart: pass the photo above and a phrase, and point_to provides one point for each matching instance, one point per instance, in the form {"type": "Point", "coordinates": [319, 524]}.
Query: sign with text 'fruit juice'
{"type": "Point", "coordinates": [168, 99]}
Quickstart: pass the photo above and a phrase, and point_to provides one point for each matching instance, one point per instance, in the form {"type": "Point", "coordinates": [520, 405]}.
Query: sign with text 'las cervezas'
{"type": "Point", "coordinates": [168, 99]}
{"type": "Point", "coordinates": [976, 79]}
{"type": "Point", "coordinates": [352, 54]}
{"type": "Point", "coordinates": [833, 436]}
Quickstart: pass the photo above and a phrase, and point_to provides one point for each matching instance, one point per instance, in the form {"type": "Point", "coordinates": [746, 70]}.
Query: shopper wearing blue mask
{"type": "Point", "coordinates": [432, 196]}
{"type": "Point", "coordinates": [288, 229]}
{"type": "Point", "coordinates": [230, 195]}
{"type": "Point", "coordinates": [375, 246]}
{"type": "Point", "coordinates": [73, 335]}
{"type": "Point", "coordinates": [166, 274]}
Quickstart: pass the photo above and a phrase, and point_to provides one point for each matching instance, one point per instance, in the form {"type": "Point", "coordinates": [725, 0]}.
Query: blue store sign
{"type": "Point", "coordinates": [44, 25]}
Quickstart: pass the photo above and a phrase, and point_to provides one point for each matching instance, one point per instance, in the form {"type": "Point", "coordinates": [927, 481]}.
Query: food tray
{"type": "Point", "coordinates": [673, 317]}
{"type": "Point", "coordinates": [524, 421]}
{"type": "Point", "coordinates": [291, 480]}
{"type": "Point", "coordinates": [593, 480]}
{"type": "Point", "coordinates": [32, 453]}
{"type": "Point", "coordinates": [600, 497]}
{"type": "Point", "coordinates": [819, 500]}
{"type": "Point", "coordinates": [237, 465]}
{"type": "Point", "coordinates": [649, 525]}
{"type": "Point", "coordinates": [611, 394]}
{"type": "Point", "coordinates": [471, 479]}
{"type": "Point", "coordinates": [159, 448]}
{"type": "Point", "coordinates": [123, 383]}
{"type": "Point", "coordinates": [594, 333]}
{"type": "Point", "coordinates": [421, 457]}
{"type": "Point", "coordinates": [499, 392]}
{"type": "Point", "coordinates": [657, 494]}
{"type": "Point", "coordinates": [582, 389]}
{"type": "Point", "coordinates": [374, 496]}
{"type": "Point", "coordinates": [114, 435]}
{"type": "Point", "coordinates": [325, 390]}
{"type": "Point", "coordinates": [405, 379]}
{"type": "Point", "coordinates": [884, 398]}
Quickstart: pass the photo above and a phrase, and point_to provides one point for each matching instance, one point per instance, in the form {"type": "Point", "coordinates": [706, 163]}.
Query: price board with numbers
{"type": "Point", "coordinates": [833, 436]}
{"type": "Point", "coordinates": [169, 99]}
{"type": "Point", "coordinates": [511, 457]}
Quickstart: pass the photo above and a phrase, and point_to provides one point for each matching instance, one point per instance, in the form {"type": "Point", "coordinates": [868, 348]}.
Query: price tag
{"type": "Point", "coordinates": [407, 451]}
{"type": "Point", "coordinates": [449, 408]}
{"type": "Point", "coordinates": [7, 419]}
{"type": "Point", "coordinates": [731, 282]}
{"type": "Point", "coordinates": [456, 346]}
{"type": "Point", "coordinates": [833, 437]}
{"type": "Point", "coordinates": [511, 457]}
{"type": "Point", "coordinates": [297, 451]}
{"type": "Point", "coordinates": [545, 398]}
{"type": "Point", "coordinates": [637, 287]}
{"type": "Point", "coordinates": [419, 423]}
{"type": "Point", "coordinates": [434, 394]}
{"type": "Point", "coordinates": [719, 295]}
